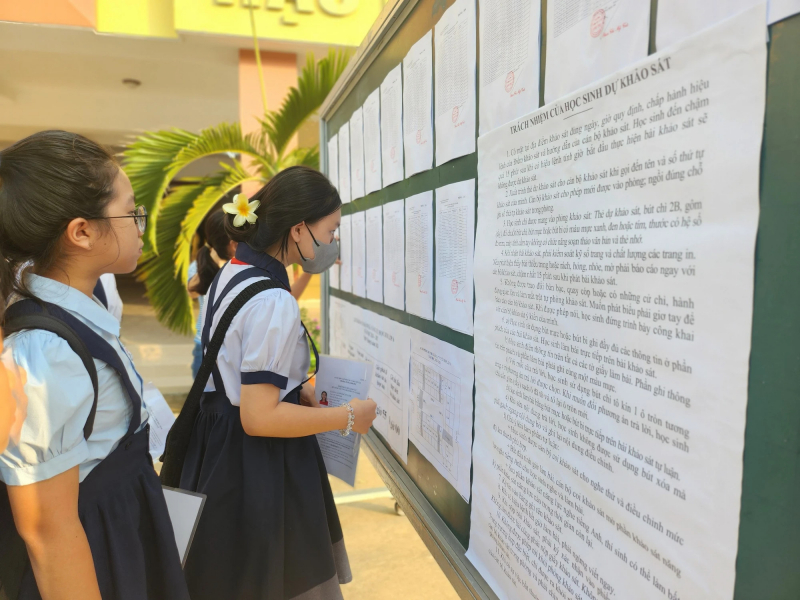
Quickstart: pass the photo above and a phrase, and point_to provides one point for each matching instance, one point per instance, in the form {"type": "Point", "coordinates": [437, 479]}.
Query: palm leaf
{"type": "Point", "coordinates": [215, 188]}
{"type": "Point", "coordinates": [313, 86]}
{"type": "Point", "coordinates": [166, 293]}
{"type": "Point", "coordinates": [147, 163]}
{"type": "Point", "coordinates": [221, 139]}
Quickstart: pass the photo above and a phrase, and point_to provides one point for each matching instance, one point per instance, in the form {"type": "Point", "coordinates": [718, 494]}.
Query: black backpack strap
{"type": "Point", "coordinates": [100, 293]}
{"type": "Point", "coordinates": [181, 432]}
{"type": "Point", "coordinates": [53, 325]}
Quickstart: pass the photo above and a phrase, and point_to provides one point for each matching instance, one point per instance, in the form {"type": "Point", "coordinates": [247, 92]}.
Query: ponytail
{"type": "Point", "coordinates": [207, 269]}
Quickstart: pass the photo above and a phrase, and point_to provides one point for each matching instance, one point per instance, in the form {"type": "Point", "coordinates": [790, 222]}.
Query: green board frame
{"type": "Point", "coordinates": [768, 561]}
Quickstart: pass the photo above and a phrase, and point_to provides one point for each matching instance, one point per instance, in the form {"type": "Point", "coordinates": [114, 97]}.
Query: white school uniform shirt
{"type": "Point", "coordinates": [60, 394]}
{"type": "Point", "coordinates": [266, 342]}
{"type": "Point", "coordinates": [113, 298]}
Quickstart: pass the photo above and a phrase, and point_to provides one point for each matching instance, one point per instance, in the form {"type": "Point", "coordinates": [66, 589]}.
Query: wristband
{"type": "Point", "coordinates": [351, 419]}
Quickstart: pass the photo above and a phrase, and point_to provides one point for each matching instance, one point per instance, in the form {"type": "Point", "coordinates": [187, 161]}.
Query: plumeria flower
{"type": "Point", "coordinates": [244, 210]}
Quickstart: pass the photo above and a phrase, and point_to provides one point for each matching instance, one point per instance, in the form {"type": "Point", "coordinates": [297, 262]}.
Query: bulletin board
{"type": "Point", "coordinates": [769, 544]}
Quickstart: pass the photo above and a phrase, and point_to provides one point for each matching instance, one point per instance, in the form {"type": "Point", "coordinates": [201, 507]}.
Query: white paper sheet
{"type": "Point", "coordinates": [616, 267]}
{"type": "Point", "coordinates": [456, 54]}
{"type": "Point", "coordinates": [344, 163]}
{"type": "Point", "coordinates": [394, 256]}
{"type": "Point", "coordinates": [363, 335]}
{"type": "Point", "coordinates": [418, 106]}
{"type": "Point", "coordinates": [440, 419]}
{"type": "Point", "coordinates": [337, 382]}
{"type": "Point", "coordinates": [359, 254]}
{"type": "Point", "coordinates": [455, 246]}
{"type": "Point", "coordinates": [372, 142]}
{"type": "Point", "coordinates": [419, 255]}
{"type": "Point", "coordinates": [185, 509]}
{"type": "Point", "coordinates": [589, 39]}
{"type": "Point", "coordinates": [357, 154]}
{"type": "Point", "coordinates": [509, 74]}
{"type": "Point", "coordinates": [780, 9]}
{"type": "Point", "coordinates": [678, 19]}
{"type": "Point", "coordinates": [333, 160]}
{"type": "Point", "coordinates": [335, 270]}
{"type": "Point", "coordinates": [375, 253]}
{"type": "Point", "coordinates": [161, 419]}
{"type": "Point", "coordinates": [346, 253]}
{"type": "Point", "coordinates": [392, 126]}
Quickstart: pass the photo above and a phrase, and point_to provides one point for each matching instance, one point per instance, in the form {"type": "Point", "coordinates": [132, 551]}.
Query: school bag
{"type": "Point", "coordinates": [13, 554]}
{"type": "Point", "coordinates": [177, 444]}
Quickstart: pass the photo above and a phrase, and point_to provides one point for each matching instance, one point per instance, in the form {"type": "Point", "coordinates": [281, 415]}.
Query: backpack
{"type": "Point", "coordinates": [13, 554]}
{"type": "Point", "coordinates": [177, 444]}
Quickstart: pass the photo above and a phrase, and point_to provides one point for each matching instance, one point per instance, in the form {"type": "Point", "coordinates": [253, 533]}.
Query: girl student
{"type": "Point", "coordinates": [269, 529]}
{"type": "Point", "coordinates": [79, 482]}
{"type": "Point", "coordinates": [213, 254]}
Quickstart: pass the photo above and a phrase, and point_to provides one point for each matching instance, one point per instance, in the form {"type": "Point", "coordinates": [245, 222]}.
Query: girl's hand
{"type": "Point", "coordinates": [308, 396]}
{"type": "Point", "coordinates": [365, 413]}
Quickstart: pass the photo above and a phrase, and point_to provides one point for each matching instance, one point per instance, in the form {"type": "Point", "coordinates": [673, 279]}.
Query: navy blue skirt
{"type": "Point", "coordinates": [122, 508]}
{"type": "Point", "coordinates": [269, 529]}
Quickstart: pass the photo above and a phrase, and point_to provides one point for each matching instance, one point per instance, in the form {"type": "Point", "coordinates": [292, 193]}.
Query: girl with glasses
{"type": "Point", "coordinates": [78, 486]}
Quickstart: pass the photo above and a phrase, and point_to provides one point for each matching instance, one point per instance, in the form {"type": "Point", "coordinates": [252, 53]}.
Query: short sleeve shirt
{"type": "Point", "coordinates": [266, 342]}
{"type": "Point", "coordinates": [60, 394]}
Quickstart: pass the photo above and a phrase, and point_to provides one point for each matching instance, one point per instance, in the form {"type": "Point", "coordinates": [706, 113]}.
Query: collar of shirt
{"type": "Point", "coordinates": [264, 261]}
{"type": "Point", "coordinates": [86, 308]}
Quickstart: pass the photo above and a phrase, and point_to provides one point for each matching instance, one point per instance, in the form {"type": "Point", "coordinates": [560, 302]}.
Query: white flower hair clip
{"type": "Point", "coordinates": [245, 211]}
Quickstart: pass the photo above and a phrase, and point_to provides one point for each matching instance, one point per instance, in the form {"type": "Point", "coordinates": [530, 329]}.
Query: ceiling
{"type": "Point", "coordinates": [55, 77]}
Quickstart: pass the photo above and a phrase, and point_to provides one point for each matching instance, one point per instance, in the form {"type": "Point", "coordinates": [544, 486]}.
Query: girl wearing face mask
{"type": "Point", "coordinates": [78, 485]}
{"type": "Point", "coordinates": [269, 529]}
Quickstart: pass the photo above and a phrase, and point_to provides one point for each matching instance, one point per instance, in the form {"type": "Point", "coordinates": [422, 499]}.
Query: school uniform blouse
{"type": "Point", "coordinates": [266, 342]}
{"type": "Point", "coordinates": [60, 394]}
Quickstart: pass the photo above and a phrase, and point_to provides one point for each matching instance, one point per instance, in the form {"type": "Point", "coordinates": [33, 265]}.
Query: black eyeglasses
{"type": "Point", "coordinates": [139, 217]}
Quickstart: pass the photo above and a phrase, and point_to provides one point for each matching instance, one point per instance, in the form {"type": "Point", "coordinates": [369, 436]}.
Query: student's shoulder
{"type": "Point", "coordinates": [271, 303]}
{"type": "Point", "coordinates": [37, 350]}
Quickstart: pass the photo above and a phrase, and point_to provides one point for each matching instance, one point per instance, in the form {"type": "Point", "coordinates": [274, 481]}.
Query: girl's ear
{"type": "Point", "coordinates": [295, 231]}
{"type": "Point", "coordinates": [80, 234]}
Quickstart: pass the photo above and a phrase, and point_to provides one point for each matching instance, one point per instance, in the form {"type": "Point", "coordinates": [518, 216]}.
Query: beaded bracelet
{"type": "Point", "coordinates": [351, 419]}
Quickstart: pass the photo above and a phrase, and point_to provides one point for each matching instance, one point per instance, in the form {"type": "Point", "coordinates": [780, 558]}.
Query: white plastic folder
{"type": "Point", "coordinates": [184, 512]}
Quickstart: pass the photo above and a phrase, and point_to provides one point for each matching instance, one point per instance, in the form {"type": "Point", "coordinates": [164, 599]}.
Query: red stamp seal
{"type": "Point", "coordinates": [419, 136]}
{"type": "Point", "coordinates": [454, 286]}
{"type": "Point", "coordinates": [419, 280]}
{"type": "Point", "coordinates": [394, 277]}
{"type": "Point", "coordinates": [455, 114]}
{"type": "Point", "coordinates": [597, 23]}
{"type": "Point", "coordinates": [510, 81]}
{"type": "Point", "coordinates": [391, 152]}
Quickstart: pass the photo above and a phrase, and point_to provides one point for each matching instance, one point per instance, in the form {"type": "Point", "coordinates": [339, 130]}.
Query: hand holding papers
{"type": "Point", "coordinates": [339, 381]}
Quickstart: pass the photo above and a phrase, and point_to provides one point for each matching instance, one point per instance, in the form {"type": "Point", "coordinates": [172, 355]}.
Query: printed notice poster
{"type": "Point", "coordinates": [419, 255]}
{"type": "Point", "coordinates": [375, 254]}
{"type": "Point", "coordinates": [455, 246]}
{"type": "Point", "coordinates": [615, 253]}
{"type": "Point", "coordinates": [359, 240]}
{"type": "Point", "coordinates": [509, 73]}
{"type": "Point", "coordinates": [418, 106]}
{"type": "Point", "coordinates": [394, 265]}
{"type": "Point", "coordinates": [592, 40]}
{"type": "Point", "coordinates": [346, 254]}
{"type": "Point", "coordinates": [392, 126]}
{"type": "Point", "coordinates": [455, 82]}
{"type": "Point", "coordinates": [440, 425]}
{"type": "Point", "coordinates": [357, 154]}
{"type": "Point", "coordinates": [333, 160]}
{"type": "Point", "coordinates": [372, 142]}
{"type": "Point", "coordinates": [344, 163]}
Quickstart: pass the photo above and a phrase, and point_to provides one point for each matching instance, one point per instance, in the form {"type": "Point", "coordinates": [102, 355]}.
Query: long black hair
{"type": "Point", "coordinates": [216, 238]}
{"type": "Point", "coordinates": [294, 195]}
{"type": "Point", "coordinates": [47, 180]}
